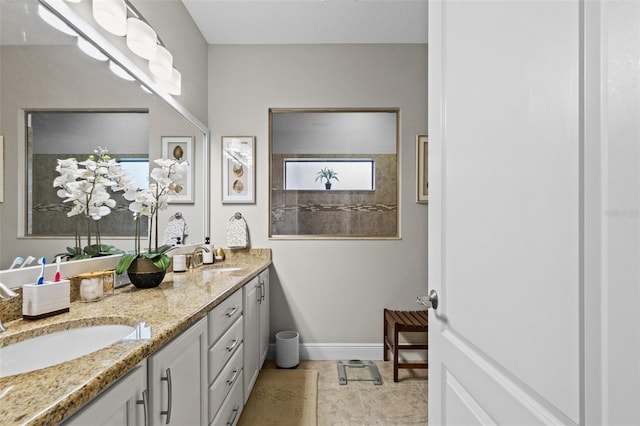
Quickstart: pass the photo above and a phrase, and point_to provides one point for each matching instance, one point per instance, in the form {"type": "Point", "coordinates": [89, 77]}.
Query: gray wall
{"type": "Point", "coordinates": [331, 291]}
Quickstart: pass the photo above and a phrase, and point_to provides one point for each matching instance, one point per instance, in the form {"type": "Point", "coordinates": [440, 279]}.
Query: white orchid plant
{"type": "Point", "coordinates": [167, 180]}
{"type": "Point", "coordinates": [85, 185]}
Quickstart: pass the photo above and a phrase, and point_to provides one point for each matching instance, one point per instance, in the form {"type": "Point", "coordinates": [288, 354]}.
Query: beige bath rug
{"type": "Point", "coordinates": [282, 398]}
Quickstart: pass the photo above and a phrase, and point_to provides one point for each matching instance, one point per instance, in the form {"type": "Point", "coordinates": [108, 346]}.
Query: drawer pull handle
{"type": "Point", "coordinates": [232, 312]}
{"type": "Point", "coordinates": [262, 291]}
{"type": "Point", "coordinates": [169, 399]}
{"type": "Point", "coordinates": [235, 414]}
{"type": "Point", "coordinates": [145, 406]}
{"type": "Point", "coordinates": [233, 379]}
{"type": "Point", "coordinates": [234, 344]}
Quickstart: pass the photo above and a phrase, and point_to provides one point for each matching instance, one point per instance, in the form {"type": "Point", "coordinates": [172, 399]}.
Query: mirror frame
{"type": "Point", "coordinates": [396, 236]}
{"type": "Point", "coordinates": [91, 34]}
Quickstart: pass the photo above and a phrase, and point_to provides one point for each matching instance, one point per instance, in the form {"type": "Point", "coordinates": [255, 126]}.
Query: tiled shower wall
{"type": "Point", "coordinates": [49, 213]}
{"type": "Point", "coordinates": [333, 212]}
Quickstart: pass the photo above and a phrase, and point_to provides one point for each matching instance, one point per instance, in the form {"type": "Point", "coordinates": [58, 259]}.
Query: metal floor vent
{"type": "Point", "coordinates": [359, 371]}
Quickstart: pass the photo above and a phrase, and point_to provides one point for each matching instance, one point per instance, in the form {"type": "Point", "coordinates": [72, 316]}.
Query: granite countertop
{"type": "Point", "coordinates": [50, 395]}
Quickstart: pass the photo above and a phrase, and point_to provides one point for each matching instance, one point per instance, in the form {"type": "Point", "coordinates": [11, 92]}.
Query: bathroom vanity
{"type": "Point", "coordinates": [186, 359]}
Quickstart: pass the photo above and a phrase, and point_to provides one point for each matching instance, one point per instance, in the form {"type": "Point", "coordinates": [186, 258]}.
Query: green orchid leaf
{"type": "Point", "coordinates": [125, 262]}
{"type": "Point", "coordinates": [162, 262]}
{"type": "Point", "coordinates": [163, 249]}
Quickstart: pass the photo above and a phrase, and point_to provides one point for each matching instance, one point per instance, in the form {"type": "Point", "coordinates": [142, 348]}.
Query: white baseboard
{"type": "Point", "coordinates": [346, 351]}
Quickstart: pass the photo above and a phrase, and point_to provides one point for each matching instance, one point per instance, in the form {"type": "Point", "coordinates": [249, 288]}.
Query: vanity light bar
{"type": "Point", "coordinates": [141, 39]}
{"type": "Point", "coordinates": [161, 77]}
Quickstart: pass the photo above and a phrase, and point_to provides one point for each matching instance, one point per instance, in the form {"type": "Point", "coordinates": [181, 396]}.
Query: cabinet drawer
{"type": "Point", "coordinates": [231, 409]}
{"type": "Point", "coordinates": [224, 349]}
{"type": "Point", "coordinates": [224, 315]}
{"type": "Point", "coordinates": [227, 379]}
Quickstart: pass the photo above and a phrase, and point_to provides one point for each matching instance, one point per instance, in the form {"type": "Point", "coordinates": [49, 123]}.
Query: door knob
{"type": "Point", "coordinates": [430, 301]}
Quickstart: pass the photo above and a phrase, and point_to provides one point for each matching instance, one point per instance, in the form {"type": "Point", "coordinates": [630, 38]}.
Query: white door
{"type": "Point", "coordinates": [534, 146]}
{"type": "Point", "coordinates": [612, 205]}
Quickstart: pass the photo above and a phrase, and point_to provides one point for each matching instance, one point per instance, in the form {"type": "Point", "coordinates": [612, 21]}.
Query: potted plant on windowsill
{"type": "Point", "coordinates": [327, 174]}
{"type": "Point", "coordinates": [146, 269]}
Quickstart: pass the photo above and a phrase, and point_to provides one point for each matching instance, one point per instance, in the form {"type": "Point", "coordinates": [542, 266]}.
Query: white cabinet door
{"type": "Point", "coordinates": [123, 404]}
{"type": "Point", "coordinates": [178, 379]}
{"type": "Point", "coordinates": [252, 296]}
{"type": "Point", "coordinates": [263, 307]}
{"type": "Point", "coordinates": [256, 328]}
{"type": "Point", "coordinates": [505, 212]}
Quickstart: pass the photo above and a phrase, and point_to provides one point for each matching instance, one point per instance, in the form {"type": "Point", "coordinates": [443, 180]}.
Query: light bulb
{"type": "Point", "coordinates": [173, 85]}
{"type": "Point", "coordinates": [141, 38]}
{"type": "Point", "coordinates": [117, 70]}
{"type": "Point", "coordinates": [111, 15]}
{"type": "Point", "coordinates": [91, 50]}
{"type": "Point", "coordinates": [57, 23]}
{"type": "Point", "coordinates": [161, 65]}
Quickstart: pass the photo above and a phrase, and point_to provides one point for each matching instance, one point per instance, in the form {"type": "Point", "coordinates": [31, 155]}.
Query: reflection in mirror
{"type": "Point", "coordinates": [334, 173]}
{"type": "Point", "coordinates": [55, 135]}
{"type": "Point", "coordinates": [45, 70]}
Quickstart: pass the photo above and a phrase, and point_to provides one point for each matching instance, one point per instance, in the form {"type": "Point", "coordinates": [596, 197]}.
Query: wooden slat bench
{"type": "Point", "coordinates": [403, 321]}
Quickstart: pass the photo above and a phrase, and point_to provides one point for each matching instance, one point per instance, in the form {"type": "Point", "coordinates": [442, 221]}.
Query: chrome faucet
{"type": "Point", "coordinates": [196, 256]}
{"type": "Point", "coordinates": [6, 293]}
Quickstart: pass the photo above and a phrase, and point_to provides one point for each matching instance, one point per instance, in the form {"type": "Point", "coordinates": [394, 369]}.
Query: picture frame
{"type": "Point", "coordinates": [238, 169]}
{"type": "Point", "coordinates": [181, 148]}
{"type": "Point", "coordinates": [422, 169]}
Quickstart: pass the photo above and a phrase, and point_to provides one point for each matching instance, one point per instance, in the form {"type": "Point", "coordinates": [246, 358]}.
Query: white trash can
{"type": "Point", "coordinates": [287, 349]}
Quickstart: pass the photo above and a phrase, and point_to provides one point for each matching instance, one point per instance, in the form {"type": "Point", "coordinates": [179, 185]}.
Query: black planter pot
{"type": "Point", "coordinates": [144, 274]}
{"type": "Point", "coordinates": [327, 185]}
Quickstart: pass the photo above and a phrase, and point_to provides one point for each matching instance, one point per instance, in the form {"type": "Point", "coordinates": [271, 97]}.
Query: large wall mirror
{"type": "Point", "coordinates": [334, 173]}
{"type": "Point", "coordinates": [45, 71]}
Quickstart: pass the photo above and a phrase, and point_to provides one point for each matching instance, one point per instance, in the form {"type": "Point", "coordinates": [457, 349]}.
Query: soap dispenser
{"type": "Point", "coordinates": [207, 255]}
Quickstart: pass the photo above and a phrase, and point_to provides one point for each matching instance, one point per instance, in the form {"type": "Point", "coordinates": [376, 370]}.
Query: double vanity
{"type": "Point", "coordinates": [191, 352]}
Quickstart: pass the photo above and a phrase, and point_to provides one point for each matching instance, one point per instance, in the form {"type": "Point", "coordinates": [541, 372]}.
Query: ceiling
{"type": "Point", "coordinates": [310, 21]}
{"type": "Point", "coordinates": [262, 21]}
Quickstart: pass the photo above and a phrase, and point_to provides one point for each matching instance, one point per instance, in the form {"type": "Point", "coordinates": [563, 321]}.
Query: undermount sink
{"type": "Point", "coordinates": [226, 268]}
{"type": "Point", "coordinates": [59, 346]}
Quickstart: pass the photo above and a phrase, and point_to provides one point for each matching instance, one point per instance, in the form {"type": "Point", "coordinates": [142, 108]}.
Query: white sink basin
{"type": "Point", "coordinates": [226, 269]}
{"type": "Point", "coordinates": [57, 347]}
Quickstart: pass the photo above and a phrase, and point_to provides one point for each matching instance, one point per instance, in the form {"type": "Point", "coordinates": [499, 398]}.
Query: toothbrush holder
{"type": "Point", "coordinates": [45, 300]}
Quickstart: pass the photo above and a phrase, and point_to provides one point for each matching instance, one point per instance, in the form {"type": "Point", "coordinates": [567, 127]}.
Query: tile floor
{"type": "Point", "coordinates": [365, 404]}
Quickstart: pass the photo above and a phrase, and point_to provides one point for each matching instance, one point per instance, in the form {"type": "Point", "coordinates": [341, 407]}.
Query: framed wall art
{"type": "Point", "coordinates": [181, 148]}
{"type": "Point", "coordinates": [422, 162]}
{"type": "Point", "coordinates": [238, 173]}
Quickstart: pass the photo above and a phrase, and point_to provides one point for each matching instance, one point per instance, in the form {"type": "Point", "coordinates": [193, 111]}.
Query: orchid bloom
{"type": "Point", "coordinates": [164, 181]}
{"type": "Point", "coordinates": [86, 184]}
